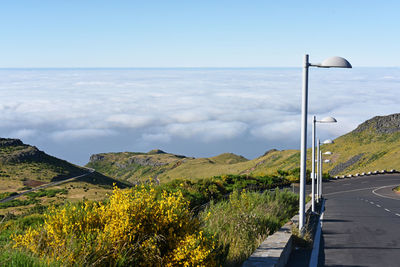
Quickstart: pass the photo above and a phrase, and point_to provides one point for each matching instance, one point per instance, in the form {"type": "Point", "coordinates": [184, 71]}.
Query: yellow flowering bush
{"type": "Point", "coordinates": [135, 227]}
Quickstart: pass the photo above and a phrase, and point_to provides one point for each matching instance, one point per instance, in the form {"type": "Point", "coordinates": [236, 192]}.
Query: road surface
{"type": "Point", "coordinates": [361, 225]}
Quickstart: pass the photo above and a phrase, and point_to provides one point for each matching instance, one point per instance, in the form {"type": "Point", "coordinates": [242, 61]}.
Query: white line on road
{"type": "Point", "coordinates": [372, 203]}
{"type": "Point", "coordinates": [378, 205]}
{"type": "Point", "coordinates": [348, 191]}
{"type": "Point", "coordinates": [387, 210]}
{"type": "Point", "coordinates": [379, 195]}
{"type": "Point", "coordinates": [397, 214]}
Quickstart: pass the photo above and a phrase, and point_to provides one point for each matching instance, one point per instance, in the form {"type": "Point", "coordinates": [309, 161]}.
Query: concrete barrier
{"type": "Point", "coordinates": [275, 250]}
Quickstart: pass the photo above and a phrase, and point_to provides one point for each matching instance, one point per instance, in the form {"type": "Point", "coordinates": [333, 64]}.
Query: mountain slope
{"type": "Point", "coordinates": [373, 145]}
{"type": "Point", "coordinates": [163, 167]}
{"type": "Point", "coordinates": [23, 167]}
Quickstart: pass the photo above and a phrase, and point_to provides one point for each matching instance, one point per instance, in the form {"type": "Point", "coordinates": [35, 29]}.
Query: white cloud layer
{"type": "Point", "coordinates": [198, 112]}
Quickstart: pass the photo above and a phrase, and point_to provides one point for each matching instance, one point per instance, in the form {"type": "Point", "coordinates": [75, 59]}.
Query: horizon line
{"type": "Point", "coordinates": [121, 68]}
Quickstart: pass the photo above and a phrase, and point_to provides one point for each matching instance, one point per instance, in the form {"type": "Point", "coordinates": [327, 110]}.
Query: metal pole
{"type": "Point", "coordinates": [320, 175]}
{"type": "Point", "coordinates": [318, 143]}
{"type": "Point", "coordinates": [313, 167]}
{"type": "Point", "coordinates": [303, 154]}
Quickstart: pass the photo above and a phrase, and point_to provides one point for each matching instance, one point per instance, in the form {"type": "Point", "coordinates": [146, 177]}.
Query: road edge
{"type": "Point", "coordinates": [317, 239]}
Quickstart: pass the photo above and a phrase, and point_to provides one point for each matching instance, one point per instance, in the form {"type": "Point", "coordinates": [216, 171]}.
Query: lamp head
{"type": "Point", "coordinates": [328, 141]}
{"type": "Point", "coordinates": [335, 62]}
{"type": "Point", "coordinates": [328, 120]}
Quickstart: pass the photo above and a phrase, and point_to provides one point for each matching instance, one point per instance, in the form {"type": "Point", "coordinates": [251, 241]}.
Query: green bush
{"type": "Point", "coordinates": [243, 221]}
{"type": "Point", "coordinates": [216, 188]}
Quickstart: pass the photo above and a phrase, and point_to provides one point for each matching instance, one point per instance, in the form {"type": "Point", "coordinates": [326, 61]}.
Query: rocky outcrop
{"type": "Point", "coordinates": [342, 166]}
{"type": "Point", "coordinates": [96, 157]}
{"type": "Point", "coordinates": [269, 151]}
{"type": "Point", "coordinates": [155, 152]}
{"type": "Point", "coordinates": [146, 161]}
{"type": "Point", "coordinates": [381, 124]}
{"type": "Point", "coordinates": [29, 153]}
{"type": "Point", "coordinates": [5, 142]}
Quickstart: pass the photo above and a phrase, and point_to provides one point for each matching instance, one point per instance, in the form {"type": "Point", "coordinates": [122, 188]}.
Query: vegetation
{"type": "Point", "coordinates": [397, 189]}
{"type": "Point", "coordinates": [147, 226]}
{"type": "Point", "coordinates": [202, 191]}
{"type": "Point", "coordinates": [135, 227]}
{"type": "Point", "coordinates": [23, 167]}
{"type": "Point", "coordinates": [243, 221]}
{"type": "Point", "coordinates": [164, 167]}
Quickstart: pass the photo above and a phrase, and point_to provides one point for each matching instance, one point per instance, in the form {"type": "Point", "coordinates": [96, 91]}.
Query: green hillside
{"type": "Point", "coordinates": [23, 167]}
{"type": "Point", "coordinates": [163, 167]}
{"type": "Point", "coordinates": [373, 145]}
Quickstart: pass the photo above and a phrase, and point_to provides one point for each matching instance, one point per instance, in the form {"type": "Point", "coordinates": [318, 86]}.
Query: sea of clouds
{"type": "Point", "coordinates": [73, 113]}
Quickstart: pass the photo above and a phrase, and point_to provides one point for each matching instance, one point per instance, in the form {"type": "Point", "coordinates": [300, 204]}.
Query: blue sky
{"type": "Point", "coordinates": [196, 33]}
{"type": "Point", "coordinates": [73, 113]}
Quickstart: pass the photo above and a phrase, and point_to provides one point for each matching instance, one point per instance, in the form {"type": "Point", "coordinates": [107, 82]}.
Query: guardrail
{"type": "Point", "coordinates": [365, 174]}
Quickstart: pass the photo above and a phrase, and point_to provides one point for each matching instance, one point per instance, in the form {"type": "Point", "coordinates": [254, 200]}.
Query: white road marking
{"type": "Point", "coordinates": [387, 210]}
{"type": "Point", "coordinates": [379, 195]}
{"type": "Point", "coordinates": [372, 203]}
{"type": "Point", "coordinates": [347, 191]}
{"type": "Point", "coordinates": [346, 184]}
{"type": "Point", "coordinates": [397, 214]}
{"type": "Point", "coordinates": [378, 205]}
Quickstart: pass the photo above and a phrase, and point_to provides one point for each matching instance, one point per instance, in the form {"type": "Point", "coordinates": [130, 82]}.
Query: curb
{"type": "Point", "coordinates": [317, 239]}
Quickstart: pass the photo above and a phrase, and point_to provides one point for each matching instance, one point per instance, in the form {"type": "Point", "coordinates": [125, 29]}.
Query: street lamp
{"type": "Point", "coordinates": [333, 62]}
{"type": "Point", "coordinates": [324, 120]}
{"type": "Point", "coordinates": [319, 179]}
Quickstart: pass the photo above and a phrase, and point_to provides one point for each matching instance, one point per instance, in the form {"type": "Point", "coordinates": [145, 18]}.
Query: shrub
{"type": "Point", "coordinates": [243, 222]}
{"type": "Point", "coordinates": [218, 187]}
{"type": "Point", "coordinates": [132, 228]}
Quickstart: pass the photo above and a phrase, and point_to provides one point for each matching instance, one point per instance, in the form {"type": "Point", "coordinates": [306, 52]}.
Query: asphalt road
{"type": "Point", "coordinates": [361, 225]}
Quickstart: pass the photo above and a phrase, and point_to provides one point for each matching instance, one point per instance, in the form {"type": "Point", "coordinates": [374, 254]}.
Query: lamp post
{"type": "Point", "coordinates": [319, 179]}
{"type": "Point", "coordinates": [313, 175]}
{"type": "Point", "coordinates": [332, 62]}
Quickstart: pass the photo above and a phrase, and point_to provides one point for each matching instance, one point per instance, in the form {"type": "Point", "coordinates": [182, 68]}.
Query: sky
{"type": "Point", "coordinates": [90, 33]}
{"type": "Point", "coordinates": [197, 78]}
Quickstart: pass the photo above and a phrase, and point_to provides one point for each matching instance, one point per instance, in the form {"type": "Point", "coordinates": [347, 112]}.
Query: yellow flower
{"type": "Point", "coordinates": [137, 225]}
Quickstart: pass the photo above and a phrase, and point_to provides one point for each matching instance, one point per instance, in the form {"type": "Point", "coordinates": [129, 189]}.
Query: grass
{"type": "Point", "coordinates": [12, 258]}
{"type": "Point", "coordinates": [239, 224]}
{"type": "Point", "coordinates": [122, 166]}
{"type": "Point", "coordinates": [243, 221]}
{"type": "Point", "coordinates": [198, 192]}
{"type": "Point", "coordinates": [17, 225]}
{"type": "Point", "coordinates": [202, 191]}
{"type": "Point", "coordinates": [397, 189]}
